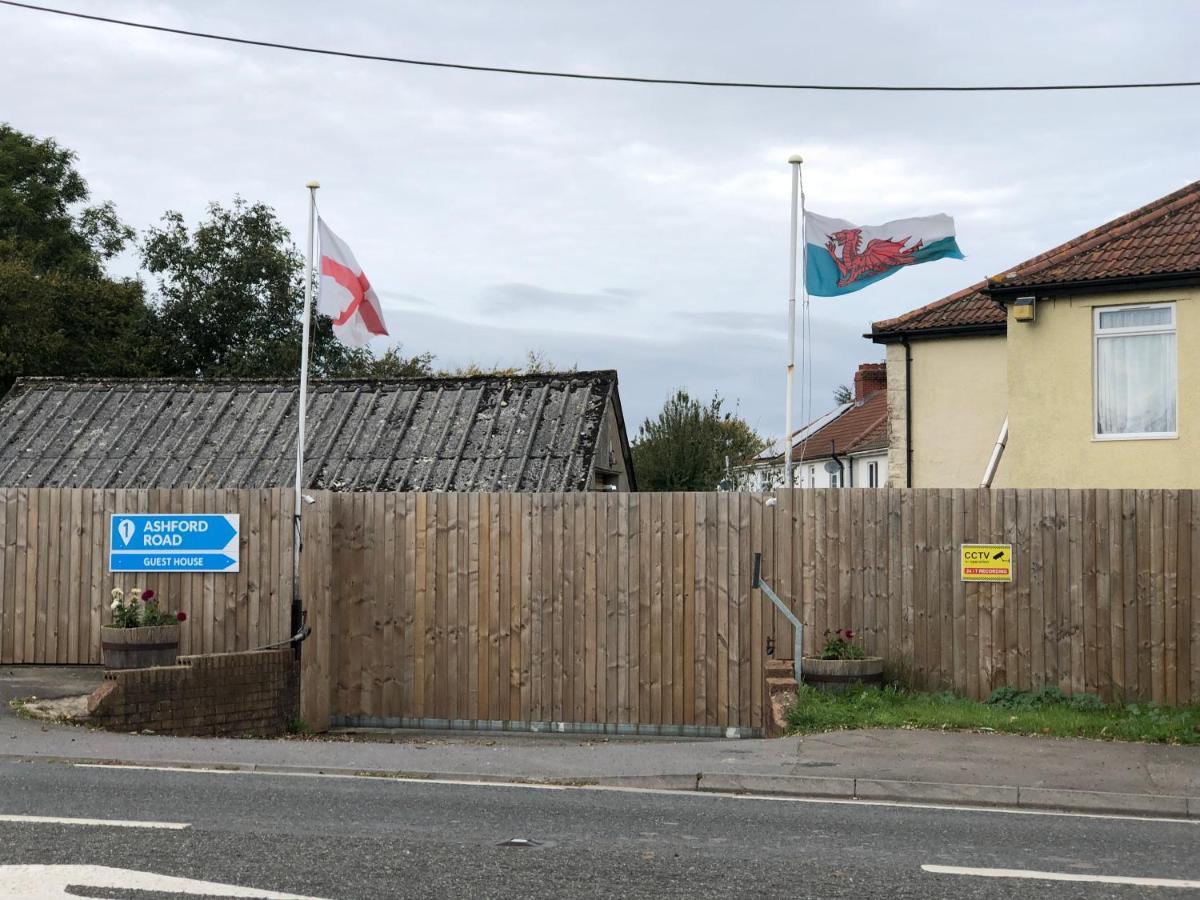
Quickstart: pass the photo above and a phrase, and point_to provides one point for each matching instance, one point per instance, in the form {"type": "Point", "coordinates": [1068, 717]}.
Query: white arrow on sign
{"type": "Point", "coordinates": [47, 882]}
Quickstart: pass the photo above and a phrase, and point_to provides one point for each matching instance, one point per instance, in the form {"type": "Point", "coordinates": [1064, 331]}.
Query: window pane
{"type": "Point", "coordinates": [1136, 318]}
{"type": "Point", "coordinates": [1135, 384]}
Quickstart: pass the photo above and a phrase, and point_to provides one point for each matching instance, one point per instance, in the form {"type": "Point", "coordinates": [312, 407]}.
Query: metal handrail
{"type": "Point", "coordinates": [797, 625]}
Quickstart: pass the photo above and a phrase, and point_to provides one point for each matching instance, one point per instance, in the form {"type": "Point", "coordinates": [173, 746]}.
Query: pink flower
{"type": "Point", "coordinates": [147, 595]}
{"type": "Point", "coordinates": [181, 616]}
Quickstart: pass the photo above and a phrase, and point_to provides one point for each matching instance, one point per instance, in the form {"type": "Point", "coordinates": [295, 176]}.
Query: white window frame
{"type": "Point", "coordinates": [1098, 335]}
{"type": "Point", "coordinates": [873, 474]}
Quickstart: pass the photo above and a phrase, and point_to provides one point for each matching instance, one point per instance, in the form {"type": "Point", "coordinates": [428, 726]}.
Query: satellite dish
{"type": "Point", "coordinates": [831, 467]}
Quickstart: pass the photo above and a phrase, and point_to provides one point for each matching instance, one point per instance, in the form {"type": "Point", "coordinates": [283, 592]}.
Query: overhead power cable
{"type": "Point", "coordinates": [629, 79]}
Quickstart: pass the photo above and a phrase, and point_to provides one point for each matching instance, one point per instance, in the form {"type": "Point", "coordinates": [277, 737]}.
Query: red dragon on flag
{"type": "Point", "coordinates": [880, 254]}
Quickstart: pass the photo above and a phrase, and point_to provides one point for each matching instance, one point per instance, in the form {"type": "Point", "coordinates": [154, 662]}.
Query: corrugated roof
{"type": "Point", "coordinates": [520, 433]}
{"type": "Point", "coordinates": [1160, 238]}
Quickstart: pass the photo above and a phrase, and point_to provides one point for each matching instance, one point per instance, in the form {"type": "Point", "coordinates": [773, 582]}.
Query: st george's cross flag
{"type": "Point", "coordinates": [345, 294]}
{"type": "Point", "coordinates": [843, 257]}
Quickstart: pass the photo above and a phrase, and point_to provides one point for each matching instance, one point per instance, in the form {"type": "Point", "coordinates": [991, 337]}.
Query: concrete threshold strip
{"type": "Point", "coordinates": [1033, 875]}
{"type": "Point", "coordinates": [807, 788]}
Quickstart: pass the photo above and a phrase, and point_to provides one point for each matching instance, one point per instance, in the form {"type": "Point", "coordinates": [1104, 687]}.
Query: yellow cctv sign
{"type": "Point", "coordinates": [987, 562]}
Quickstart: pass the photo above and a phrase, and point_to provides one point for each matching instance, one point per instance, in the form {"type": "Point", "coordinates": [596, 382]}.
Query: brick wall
{"type": "Point", "coordinates": [253, 693]}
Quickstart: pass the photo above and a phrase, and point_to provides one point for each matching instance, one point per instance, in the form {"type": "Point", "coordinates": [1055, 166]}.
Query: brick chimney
{"type": "Point", "coordinates": [869, 378]}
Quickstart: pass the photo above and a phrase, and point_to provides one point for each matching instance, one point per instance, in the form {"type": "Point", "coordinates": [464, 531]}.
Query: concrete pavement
{"type": "Point", "coordinates": [914, 765]}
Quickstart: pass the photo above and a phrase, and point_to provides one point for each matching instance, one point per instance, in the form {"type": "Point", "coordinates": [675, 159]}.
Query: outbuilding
{"type": "Point", "coordinates": [516, 433]}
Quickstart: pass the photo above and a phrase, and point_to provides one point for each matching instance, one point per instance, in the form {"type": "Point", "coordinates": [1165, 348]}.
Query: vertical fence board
{"type": "Point", "coordinates": [8, 556]}
{"type": "Point", "coordinates": [637, 609]}
{"type": "Point", "coordinates": [1186, 601]}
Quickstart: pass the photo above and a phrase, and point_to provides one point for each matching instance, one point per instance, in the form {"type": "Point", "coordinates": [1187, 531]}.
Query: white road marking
{"type": "Point", "coordinates": [1062, 876]}
{"type": "Point", "coordinates": [101, 823]}
{"type": "Point", "coordinates": [413, 779]}
{"type": "Point", "coordinates": [714, 795]}
{"type": "Point", "coordinates": [51, 883]}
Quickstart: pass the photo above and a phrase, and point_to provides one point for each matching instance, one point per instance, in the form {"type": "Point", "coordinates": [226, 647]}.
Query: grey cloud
{"type": "Point", "coordinates": [531, 298]}
{"type": "Point", "coordinates": [411, 301]}
{"type": "Point", "coordinates": [665, 208]}
{"type": "Point", "coordinates": [758, 323]}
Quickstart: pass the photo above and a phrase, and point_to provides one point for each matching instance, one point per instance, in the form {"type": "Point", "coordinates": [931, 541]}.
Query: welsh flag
{"type": "Point", "coordinates": [345, 294]}
{"type": "Point", "coordinates": [844, 257]}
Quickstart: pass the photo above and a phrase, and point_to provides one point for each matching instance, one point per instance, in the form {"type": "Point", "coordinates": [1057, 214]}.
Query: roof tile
{"type": "Point", "coordinates": [857, 429]}
{"type": "Point", "coordinates": [1160, 238]}
{"type": "Point", "coordinates": [968, 308]}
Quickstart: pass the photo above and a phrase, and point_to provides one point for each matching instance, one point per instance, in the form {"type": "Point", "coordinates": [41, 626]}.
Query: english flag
{"type": "Point", "coordinates": [345, 294]}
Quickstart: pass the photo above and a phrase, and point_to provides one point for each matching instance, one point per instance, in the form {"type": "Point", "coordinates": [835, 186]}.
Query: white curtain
{"type": "Point", "coordinates": [1135, 379]}
{"type": "Point", "coordinates": [1135, 318]}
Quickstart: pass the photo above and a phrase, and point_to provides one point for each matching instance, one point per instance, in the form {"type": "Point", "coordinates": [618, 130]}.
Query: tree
{"type": "Point", "coordinates": [536, 363]}
{"type": "Point", "coordinates": [230, 296]}
{"type": "Point", "coordinates": [60, 313]}
{"type": "Point", "coordinates": [393, 364]}
{"type": "Point", "coordinates": [43, 219]}
{"type": "Point", "coordinates": [686, 447]}
{"type": "Point", "coordinates": [842, 394]}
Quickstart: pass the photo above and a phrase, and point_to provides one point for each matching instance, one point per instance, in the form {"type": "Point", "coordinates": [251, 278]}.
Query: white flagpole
{"type": "Point", "coordinates": [806, 407]}
{"type": "Point", "coordinates": [795, 162]}
{"type": "Point", "coordinates": [302, 411]}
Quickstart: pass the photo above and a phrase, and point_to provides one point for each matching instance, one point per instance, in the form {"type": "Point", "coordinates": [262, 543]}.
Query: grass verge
{"type": "Point", "coordinates": [1045, 712]}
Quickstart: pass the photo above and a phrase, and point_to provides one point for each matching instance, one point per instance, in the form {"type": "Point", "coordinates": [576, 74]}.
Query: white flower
{"type": "Point", "coordinates": [117, 594]}
{"type": "Point", "coordinates": [116, 603]}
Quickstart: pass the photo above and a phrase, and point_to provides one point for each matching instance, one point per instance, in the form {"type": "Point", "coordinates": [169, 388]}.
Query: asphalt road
{"type": "Point", "coordinates": [347, 837]}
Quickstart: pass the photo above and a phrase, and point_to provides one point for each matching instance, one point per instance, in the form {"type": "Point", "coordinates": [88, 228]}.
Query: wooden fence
{"type": "Point", "coordinates": [637, 608]}
{"type": "Point", "coordinates": [55, 585]}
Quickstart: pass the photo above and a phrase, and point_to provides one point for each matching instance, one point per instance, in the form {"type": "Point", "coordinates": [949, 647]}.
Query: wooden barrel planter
{"type": "Point", "coordinates": [139, 648]}
{"type": "Point", "coordinates": [837, 675]}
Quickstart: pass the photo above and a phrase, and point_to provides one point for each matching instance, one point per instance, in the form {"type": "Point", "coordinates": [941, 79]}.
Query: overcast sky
{"type": "Point", "coordinates": [636, 227]}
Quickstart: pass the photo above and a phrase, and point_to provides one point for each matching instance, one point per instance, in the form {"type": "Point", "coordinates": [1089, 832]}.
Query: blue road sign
{"type": "Point", "coordinates": [164, 542]}
{"type": "Point", "coordinates": [173, 562]}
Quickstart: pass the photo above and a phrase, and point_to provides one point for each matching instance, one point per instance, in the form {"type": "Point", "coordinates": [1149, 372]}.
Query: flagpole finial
{"type": "Point", "coordinates": [795, 159]}
{"type": "Point", "coordinates": [313, 185]}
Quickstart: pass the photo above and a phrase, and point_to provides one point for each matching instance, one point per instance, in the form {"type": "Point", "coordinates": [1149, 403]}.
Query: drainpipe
{"type": "Point", "coordinates": [998, 451]}
{"type": "Point", "coordinates": [908, 447]}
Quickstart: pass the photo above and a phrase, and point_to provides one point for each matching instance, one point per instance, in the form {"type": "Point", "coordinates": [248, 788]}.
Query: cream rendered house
{"type": "Point", "coordinates": [1090, 352]}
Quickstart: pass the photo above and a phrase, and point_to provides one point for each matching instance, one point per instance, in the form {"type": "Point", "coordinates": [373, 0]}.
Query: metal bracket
{"type": "Point", "coordinates": [797, 625]}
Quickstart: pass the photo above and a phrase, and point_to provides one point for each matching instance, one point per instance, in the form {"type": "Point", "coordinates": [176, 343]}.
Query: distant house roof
{"type": "Point", "coordinates": [505, 433]}
{"type": "Point", "coordinates": [1159, 240]}
{"type": "Point", "coordinates": [856, 427]}
{"type": "Point", "coordinates": [775, 451]}
{"type": "Point", "coordinates": [860, 428]}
